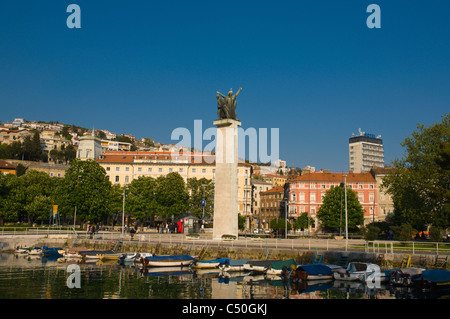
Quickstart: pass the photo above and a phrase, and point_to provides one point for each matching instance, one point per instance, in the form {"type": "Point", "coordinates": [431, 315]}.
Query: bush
{"type": "Point", "coordinates": [404, 232]}
{"type": "Point", "coordinates": [371, 232]}
{"type": "Point", "coordinates": [435, 234]}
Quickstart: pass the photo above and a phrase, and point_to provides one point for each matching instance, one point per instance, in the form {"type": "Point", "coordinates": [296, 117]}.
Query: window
{"type": "Point", "coordinates": [139, 169]}
{"type": "Point", "coordinates": [312, 197]}
{"type": "Point", "coordinates": [170, 169]}
{"type": "Point", "coordinates": [361, 197]}
{"type": "Point", "coordinates": [324, 187]}
{"type": "Point", "coordinates": [194, 170]}
{"type": "Point", "coordinates": [180, 170]}
{"type": "Point", "coordinates": [127, 169]}
{"type": "Point", "coordinates": [117, 169]}
{"type": "Point", "coordinates": [149, 169]}
{"type": "Point", "coordinates": [294, 197]}
{"type": "Point", "coordinates": [127, 179]}
{"type": "Point", "coordinates": [301, 196]}
{"type": "Point", "coordinates": [203, 170]}
{"type": "Point", "coordinates": [371, 197]}
{"type": "Point", "coordinates": [108, 169]}
{"type": "Point", "coordinates": [117, 179]}
{"type": "Point", "coordinates": [360, 186]}
{"type": "Point", "coordinates": [160, 169]}
{"type": "Point", "coordinates": [371, 186]}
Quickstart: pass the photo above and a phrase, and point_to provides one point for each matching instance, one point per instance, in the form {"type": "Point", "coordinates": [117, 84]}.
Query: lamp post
{"type": "Point", "coordinates": [346, 217]}
{"type": "Point", "coordinates": [123, 210]}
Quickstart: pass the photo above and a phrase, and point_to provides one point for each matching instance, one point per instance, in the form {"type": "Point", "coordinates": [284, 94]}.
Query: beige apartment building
{"type": "Point", "coordinates": [123, 167]}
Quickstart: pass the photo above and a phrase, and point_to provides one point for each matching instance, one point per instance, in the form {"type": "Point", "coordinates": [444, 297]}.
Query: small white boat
{"type": "Point", "coordinates": [21, 250]}
{"type": "Point", "coordinates": [35, 251]}
{"type": "Point", "coordinates": [258, 266]}
{"type": "Point", "coordinates": [209, 264]}
{"type": "Point", "coordinates": [134, 257]}
{"type": "Point", "coordinates": [168, 261]}
{"type": "Point", "coordinates": [234, 265]}
{"type": "Point", "coordinates": [356, 271]}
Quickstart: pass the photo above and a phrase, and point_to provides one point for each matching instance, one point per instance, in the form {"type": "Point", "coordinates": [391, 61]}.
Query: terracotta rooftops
{"type": "Point", "coordinates": [160, 157]}
{"type": "Point", "coordinates": [4, 164]}
{"type": "Point", "coordinates": [335, 177]}
{"type": "Point", "coordinates": [278, 189]}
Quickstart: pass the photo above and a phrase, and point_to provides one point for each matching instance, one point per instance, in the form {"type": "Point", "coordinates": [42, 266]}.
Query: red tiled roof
{"type": "Point", "coordinates": [278, 189]}
{"type": "Point", "coordinates": [131, 157]}
{"type": "Point", "coordinates": [4, 164]}
{"type": "Point", "coordinates": [334, 177]}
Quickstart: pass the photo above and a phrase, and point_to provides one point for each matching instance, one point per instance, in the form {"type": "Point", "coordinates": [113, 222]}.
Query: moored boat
{"type": "Point", "coordinates": [168, 261]}
{"type": "Point", "coordinates": [405, 276]}
{"type": "Point", "coordinates": [95, 254]}
{"type": "Point", "coordinates": [258, 266]}
{"type": "Point", "coordinates": [133, 257]}
{"type": "Point", "coordinates": [356, 271]}
{"type": "Point", "coordinates": [208, 264]}
{"type": "Point", "coordinates": [281, 267]}
{"type": "Point", "coordinates": [35, 251]}
{"type": "Point", "coordinates": [433, 279]}
{"type": "Point", "coordinates": [108, 255]}
{"type": "Point", "coordinates": [312, 272]}
{"type": "Point", "coordinates": [234, 265]}
{"type": "Point", "coordinates": [22, 250]}
{"type": "Point", "coordinates": [51, 251]}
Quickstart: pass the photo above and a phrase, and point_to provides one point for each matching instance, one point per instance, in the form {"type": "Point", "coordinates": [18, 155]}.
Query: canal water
{"type": "Point", "coordinates": [22, 277]}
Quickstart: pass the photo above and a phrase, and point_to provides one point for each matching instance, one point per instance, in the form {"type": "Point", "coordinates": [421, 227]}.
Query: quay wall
{"type": "Point", "coordinates": [301, 255]}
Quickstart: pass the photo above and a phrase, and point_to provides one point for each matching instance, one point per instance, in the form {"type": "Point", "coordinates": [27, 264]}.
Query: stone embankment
{"type": "Point", "coordinates": [330, 252]}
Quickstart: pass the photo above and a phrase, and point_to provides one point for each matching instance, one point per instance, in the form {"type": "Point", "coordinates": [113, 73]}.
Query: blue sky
{"type": "Point", "coordinates": [313, 69]}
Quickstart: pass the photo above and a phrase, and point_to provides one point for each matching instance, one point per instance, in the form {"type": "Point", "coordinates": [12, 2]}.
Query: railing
{"type": "Point", "coordinates": [412, 247]}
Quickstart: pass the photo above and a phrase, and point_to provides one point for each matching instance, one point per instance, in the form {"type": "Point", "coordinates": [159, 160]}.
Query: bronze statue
{"type": "Point", "coordinates": [226, 105]}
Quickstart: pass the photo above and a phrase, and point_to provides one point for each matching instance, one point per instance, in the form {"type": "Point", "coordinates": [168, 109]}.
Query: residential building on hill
{"type": "Point", "coordinates": [8, 136]}
{"type": "Point", "coordinates": [7, 168]}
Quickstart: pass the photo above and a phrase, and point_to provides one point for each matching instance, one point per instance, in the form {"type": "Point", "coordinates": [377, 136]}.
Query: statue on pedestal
{"type": "Point", "coordinates": [226, 105]}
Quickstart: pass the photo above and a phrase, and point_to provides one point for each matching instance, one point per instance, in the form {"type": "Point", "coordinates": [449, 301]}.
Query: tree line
{"type": "Point", "coordinates": [86, 190]}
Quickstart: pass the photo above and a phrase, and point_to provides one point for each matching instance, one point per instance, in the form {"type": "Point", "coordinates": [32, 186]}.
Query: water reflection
{"type": "Point", "coordinates": [45, 278]}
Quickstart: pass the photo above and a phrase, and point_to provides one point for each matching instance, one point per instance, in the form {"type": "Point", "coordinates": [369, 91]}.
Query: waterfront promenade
{"type": "Point", "coordinates": [9, 239]}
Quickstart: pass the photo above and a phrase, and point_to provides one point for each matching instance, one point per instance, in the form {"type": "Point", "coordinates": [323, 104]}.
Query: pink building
{"type": "Point", "coordinates": [306, 192]}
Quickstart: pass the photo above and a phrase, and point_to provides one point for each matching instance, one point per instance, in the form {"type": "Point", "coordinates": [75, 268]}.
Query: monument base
{"type": "Point", "coordinates": [226, 208]}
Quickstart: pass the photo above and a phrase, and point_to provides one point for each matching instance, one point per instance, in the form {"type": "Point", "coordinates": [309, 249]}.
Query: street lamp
{"type": "Point", "coordinates": [123, 210]}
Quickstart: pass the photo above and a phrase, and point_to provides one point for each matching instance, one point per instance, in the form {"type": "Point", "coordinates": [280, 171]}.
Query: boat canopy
{"type": "Point", "coordinates": [280, 264]}
{"type": "Point", "coordinates": [316, 269]}
{"type": "Point", "coordinates": [169, 257]}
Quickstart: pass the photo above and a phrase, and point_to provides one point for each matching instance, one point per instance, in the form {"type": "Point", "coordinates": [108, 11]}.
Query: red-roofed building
{"type": "Point", "coordinates": [306, 192]}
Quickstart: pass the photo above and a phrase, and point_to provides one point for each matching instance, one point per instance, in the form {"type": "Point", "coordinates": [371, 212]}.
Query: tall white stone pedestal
{"type": "Point", "coordinates": [226, 179]}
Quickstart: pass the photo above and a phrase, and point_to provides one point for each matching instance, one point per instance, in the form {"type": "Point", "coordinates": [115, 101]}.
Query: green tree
{"type": "Point", "coordinates": [329, 213]}
{"type": "Point", "coordinates": [200, 189]}
{"type": "Point", "coordinates": [31, 196]}
{"type": "Point", "coordinates": [141, 199]}
{"type": "Point", "coordinates": [87, 187]}
{"type": "Point", "coordinates": [303, 221]}
{"type": "Point", "coordinates": [171, 196]}
{"type": "Point", "coordinates": [279, 225]}
{"type": "Point", "coordinates": [420, 181]}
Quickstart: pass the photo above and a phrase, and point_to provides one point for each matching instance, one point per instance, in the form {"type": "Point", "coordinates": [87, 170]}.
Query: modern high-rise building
{"type": "Point", "coordinates": [365, 151]}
